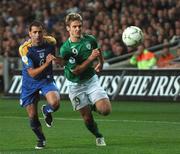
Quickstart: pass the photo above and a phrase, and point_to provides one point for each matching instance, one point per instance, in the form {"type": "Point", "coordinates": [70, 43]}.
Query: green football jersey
{"type": "Point", "coordinates": [75, 53]}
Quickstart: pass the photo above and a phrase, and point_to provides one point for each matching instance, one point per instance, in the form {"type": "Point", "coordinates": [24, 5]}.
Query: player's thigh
{"type": "Point", "coordinates": [97, 94]}
{"type": "Point", "coordinates": [51, 93]}
{"type": "Point", "coordinates": [103, 105]}
{"type": "Point", "coordinates": [94, 91]}
{"type": "Point", "coordinates": [52, 97]}
{"type": "Point", "coordinates": [101, 100]}
{"type": "Point", "coordinates": [29, 96]}
{"type": "Point", "coordinates": [32, 110]}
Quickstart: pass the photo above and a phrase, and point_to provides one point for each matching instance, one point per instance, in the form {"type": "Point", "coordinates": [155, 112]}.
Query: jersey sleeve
{"type": "Point", "coordinates": [64, 53]}
{"type": "Point", "coordinates": [51, 40]}
{"type": "Point", "coordinates": [23, 52]}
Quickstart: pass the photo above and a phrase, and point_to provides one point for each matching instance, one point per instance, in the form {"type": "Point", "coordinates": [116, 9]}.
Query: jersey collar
{"type": "Point", "coordinates": [78, 41]}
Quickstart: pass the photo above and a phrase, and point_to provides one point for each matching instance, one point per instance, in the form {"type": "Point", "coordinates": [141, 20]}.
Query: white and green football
{"type": "Point", "coordinates": [132, 36]}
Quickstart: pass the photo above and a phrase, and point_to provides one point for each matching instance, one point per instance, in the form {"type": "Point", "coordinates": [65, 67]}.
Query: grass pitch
{"type": "Point", "coordinates": [132, 128]}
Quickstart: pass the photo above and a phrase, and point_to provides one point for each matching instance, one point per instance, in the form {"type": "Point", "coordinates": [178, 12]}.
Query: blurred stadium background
{"type": "Point", "coordinates": [145, 127]}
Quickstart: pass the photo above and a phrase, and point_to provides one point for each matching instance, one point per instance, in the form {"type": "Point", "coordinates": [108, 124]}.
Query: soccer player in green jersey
{"type": "Point", "coordinates": [78, 52]}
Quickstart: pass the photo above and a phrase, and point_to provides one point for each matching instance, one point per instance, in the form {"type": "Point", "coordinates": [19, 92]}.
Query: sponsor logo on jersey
{"type": "Point", "coordinates": [41, 55]}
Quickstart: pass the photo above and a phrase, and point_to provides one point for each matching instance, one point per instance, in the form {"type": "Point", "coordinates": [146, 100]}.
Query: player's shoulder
{"type": "Point", "coordinates": [50, 39]}
{"type": "Point", "coordinates": [65, 45]}
{"type": "Point", "coordinates": [89, 36]}
{"type": "Point", "coordinates": [65, 48]}
{"type": "Point", "coordinates": [23, 49]}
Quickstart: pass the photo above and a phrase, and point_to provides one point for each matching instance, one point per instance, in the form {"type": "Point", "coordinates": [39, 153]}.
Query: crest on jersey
{"type": "Point", "coordinates": [41, 55]}
{"type": "Point", "coordinates": [75, 51]}
{"type": "Point", "coordinates": [72, 60]}
{"type": "Point", "coordinates": [88, 46]}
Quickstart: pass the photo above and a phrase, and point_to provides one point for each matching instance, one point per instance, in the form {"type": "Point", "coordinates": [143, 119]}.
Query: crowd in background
{"type": "Point", "coordinates": [159, 20]}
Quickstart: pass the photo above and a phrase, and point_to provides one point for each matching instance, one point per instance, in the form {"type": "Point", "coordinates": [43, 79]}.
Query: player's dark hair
{"type": "Point", "coordinates": [72, 17]}
{"type": "Point", "coordinates": [36, 24]}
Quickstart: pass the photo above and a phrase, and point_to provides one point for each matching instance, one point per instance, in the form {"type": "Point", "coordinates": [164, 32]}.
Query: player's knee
{"type": "Point", "coordinates": [103, 107]}
{"type": "Point", "coordinates": [53, 99]}
{"type": "Point", "coordinates": [104, 110]}
{"type": "Point", "coordinates": [56, 106]}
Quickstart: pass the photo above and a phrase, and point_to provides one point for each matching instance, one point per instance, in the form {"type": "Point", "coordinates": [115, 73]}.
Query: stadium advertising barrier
{"type": "Point", "coordinates": [126, 84]}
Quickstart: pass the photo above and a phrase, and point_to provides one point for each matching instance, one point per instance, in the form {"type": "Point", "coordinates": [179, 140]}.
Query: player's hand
{"type": "Point", "coordinates": [59, 61]}
{"type": "Point", "coordinates": [50, 58]}
{"type": "Point", "coordinates": [95, 53]}
{"type": "Point", "coordinates": [98, 67]}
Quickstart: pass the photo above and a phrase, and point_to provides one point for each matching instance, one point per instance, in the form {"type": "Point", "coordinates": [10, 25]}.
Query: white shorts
{"type": "Point", "coordinates": [86, 93]}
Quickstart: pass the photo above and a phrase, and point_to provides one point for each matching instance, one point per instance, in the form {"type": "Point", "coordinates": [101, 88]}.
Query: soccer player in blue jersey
{"type": "Point", "coordinates": [37, 55]}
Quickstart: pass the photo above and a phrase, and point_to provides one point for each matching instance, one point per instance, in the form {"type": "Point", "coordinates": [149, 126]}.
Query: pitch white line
{"type": "Point", "coordinates": [103, 120]}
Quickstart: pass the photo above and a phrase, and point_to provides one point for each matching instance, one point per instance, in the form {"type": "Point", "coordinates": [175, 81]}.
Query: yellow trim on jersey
{"type": "Point", "coordinates": [23, 49]}
{"type": "Point", "coordinates": [50, 40]}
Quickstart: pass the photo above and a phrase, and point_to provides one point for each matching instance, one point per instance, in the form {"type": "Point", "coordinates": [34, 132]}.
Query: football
{"type": "Point", "coordinates": [132, 36]}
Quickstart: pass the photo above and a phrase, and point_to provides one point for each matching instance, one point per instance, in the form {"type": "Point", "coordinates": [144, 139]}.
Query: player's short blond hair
{"type": "Point", "coordinates": [72, 17]}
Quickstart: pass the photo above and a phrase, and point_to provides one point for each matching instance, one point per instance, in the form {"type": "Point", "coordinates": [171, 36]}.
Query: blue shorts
{"type": "Point", "coordinates": [31, 94]}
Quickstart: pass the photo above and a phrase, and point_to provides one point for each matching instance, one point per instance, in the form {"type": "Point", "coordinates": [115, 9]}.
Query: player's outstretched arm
{"type": "Point", "coordinates": [35, 71]}
{"type": "Point", "coordinates": [81, 68]}
{"type": "Point", "coordinates": [99, 66]}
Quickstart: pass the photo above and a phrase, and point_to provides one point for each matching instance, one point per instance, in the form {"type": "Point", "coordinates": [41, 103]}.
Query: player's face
{"type": "Point", "coordinates": [75, 29]}
{"type": "Point", "coordinates": [36, 35]}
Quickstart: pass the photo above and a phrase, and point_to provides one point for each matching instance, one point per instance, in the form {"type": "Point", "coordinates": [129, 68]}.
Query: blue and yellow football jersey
{"type": "Point", "coordinates": [34, 57]}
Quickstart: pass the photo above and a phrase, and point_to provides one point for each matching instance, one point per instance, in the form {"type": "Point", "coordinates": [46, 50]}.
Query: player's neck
{"type": "Point", "coordinates": [36, 43]}
{"type": "Point", "coordinates": [74, 39]}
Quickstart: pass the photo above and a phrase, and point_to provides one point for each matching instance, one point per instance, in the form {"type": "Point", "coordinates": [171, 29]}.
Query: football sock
{"type": "Point", "coordinates": [48, 109]}
{"type": "Point", "coordinates": [36, 127]}
{"type": "Point", "coordinates": [92, 127]}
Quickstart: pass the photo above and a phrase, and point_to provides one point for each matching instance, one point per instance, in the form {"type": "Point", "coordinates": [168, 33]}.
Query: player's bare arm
{"type": "Point", "coordinates": [81, 68]}
{"type": "Point", "coordinates": [99, 66]}
{"type": "Point", "coordinates": [35, 71]}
